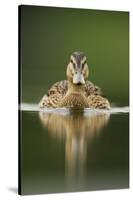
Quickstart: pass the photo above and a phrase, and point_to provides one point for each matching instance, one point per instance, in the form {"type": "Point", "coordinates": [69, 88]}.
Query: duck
{"type": "Point", "coordinates": [77, 91]}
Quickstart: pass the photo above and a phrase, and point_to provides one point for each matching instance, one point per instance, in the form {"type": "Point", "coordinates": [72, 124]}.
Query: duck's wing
{"type": "Point", "coordinates": [95, 97]}
{"type": "Point", "coordinates": [54, 94]}
{"type": "Point", "coordinates": [92, 89]}
{"type": "Point", "coordinates": [60, 87]}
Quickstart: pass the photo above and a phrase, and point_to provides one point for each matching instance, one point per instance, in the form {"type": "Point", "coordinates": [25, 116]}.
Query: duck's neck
{"type": "Point", "coordinates": [73, 88]}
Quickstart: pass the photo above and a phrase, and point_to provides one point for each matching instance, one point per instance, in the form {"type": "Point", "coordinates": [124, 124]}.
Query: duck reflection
{"type": "Point", "coordinates": [78, 130]}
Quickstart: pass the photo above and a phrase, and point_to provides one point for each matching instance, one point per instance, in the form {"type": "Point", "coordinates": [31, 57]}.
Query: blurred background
{"type": "Point", "coordinates": [50, 35]}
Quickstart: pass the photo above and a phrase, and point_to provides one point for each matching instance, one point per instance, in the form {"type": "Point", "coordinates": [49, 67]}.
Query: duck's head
{"type": "Point", "coordinates": [77, 69]}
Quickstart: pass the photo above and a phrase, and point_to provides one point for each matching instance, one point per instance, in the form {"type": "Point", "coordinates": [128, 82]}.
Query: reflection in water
{"type": "Point", "coordinates": [78, 130]}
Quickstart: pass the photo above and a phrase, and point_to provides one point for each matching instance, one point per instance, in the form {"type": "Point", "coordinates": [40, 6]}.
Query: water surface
{"type": "Point", "coordinates": [67, 151]}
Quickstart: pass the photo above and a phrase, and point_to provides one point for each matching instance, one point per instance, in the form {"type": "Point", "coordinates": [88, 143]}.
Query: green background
{"type": "Point", "coordinates": [50, 35]}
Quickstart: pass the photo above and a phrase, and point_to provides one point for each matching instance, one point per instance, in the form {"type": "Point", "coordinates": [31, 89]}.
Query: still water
{"type": "Point", "coordinates": [67, 151]}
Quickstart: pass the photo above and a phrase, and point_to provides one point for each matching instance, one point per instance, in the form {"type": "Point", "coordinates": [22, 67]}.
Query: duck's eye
{"type": "Point", "coordinates": [71, 61]}
{"type": "Point", "coordinates": [74, 65]}
{"type": "Point", "coordinates": [83, 63]}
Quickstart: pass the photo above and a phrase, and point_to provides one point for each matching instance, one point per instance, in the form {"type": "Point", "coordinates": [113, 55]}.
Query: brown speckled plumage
{"type": "Point", "coordinates": [67, 93]}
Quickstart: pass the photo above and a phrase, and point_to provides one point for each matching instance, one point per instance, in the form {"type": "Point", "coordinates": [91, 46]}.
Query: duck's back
{"type": "Point", "coordinates": [92, 89]}
{"type": "Point", "coordinates": [59, 87]}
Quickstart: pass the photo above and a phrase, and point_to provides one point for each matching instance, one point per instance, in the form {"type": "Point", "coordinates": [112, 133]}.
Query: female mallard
{"type": "Point", "coordinates": [76, 91]}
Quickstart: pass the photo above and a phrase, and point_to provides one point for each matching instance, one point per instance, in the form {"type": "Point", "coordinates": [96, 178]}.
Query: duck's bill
{"type": "Point", "coordinates": [78, 79]}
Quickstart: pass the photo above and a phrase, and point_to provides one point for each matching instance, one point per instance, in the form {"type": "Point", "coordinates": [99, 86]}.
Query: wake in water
{"type": "Point", "coordinates": [66, 111]}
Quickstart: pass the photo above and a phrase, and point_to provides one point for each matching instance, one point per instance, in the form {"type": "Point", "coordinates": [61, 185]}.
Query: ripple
{"type": "Point", "coordinates": [67, 111]}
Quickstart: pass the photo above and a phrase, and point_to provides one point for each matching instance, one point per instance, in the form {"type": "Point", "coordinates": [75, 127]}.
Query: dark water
{"type": "Point", "coordinates": [66, 153]}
